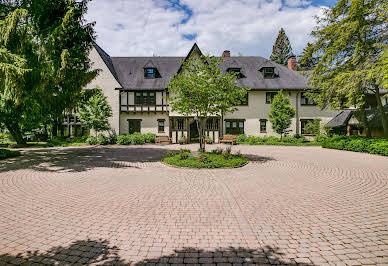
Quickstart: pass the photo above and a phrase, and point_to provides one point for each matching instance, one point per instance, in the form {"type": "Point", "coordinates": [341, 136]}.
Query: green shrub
{"type": "Point", "coordinates": [149, 138]}
{"type": "Point", "coordinates": [102, 140]}
{"type": "Point", "coordinates": [184, 154]}
{"type": "Point", "coordinates": [4, 154]}
{"type": "Point", "coordinates": [182, 140]}
{"type": "Point", "coordinates": [208, 140]}
{"type": "Point", "coordinates": [357, 144]}
{"type": "Point", "coordinates": [112, 137]}
{"type": "Point", "coordinates": [91, 140]}
{"type": "Point", "coordinates": [137, 139]}
{"type": "Point", "coordinates": [321, 138]}
{"type": "Point", "coordinates": [124, 139]}
{"type": "Point", "coordinates": [217, 151]}
{"type": "Point", "coordinates": [379, 148]}
{"type": "Point", "coordinates": [241, 138]}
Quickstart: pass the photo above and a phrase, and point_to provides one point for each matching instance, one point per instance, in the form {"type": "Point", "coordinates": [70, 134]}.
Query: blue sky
{"type": "Point", "coordinates": [170, 27]}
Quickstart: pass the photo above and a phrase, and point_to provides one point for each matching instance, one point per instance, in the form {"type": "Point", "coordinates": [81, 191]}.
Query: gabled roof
{"type": "Point", "coordinates": [193, 49]}
{"type": "Point", "coordinates": [107, 60]}
{"type": "Point", "coordinates": [340, 120]}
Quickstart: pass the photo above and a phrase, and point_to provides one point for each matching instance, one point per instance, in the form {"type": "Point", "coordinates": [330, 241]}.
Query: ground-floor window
{"type": "Point", "coordinates": [234, 127]}
{"type": "Point", "coordinates": [303, 123]}
{"type": "Point", "coordinates": [161, 125]}
{"type": "Point", "coordinates": [263, 125]}
{"type": "Point", "coordinates": [134, 126]}
{"type": "Point", "coordinates": [212, 123]}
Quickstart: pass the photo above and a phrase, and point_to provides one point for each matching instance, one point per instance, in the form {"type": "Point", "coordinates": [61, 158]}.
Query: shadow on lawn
{"type": "Point", "coordinates": [83, 159]}
{"type": "Point", "coordinates": [101, 253]}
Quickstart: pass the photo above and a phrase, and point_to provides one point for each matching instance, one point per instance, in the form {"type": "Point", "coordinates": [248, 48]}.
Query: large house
{"type": "Point", "coordinates": [136, 90]}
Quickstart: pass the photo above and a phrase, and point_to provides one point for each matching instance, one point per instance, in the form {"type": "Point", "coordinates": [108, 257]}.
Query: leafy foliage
{"type": "Point", "coordinates": [95, 111]}
{"type": "Point", "coordinates": [136, 139]}
{"type": "Point", "coordinates": [5, 154]}
{"type": "Point", "coordinates": [281, 113]}
{"type": "Point", "coordinates": [313, 127]}
{"type": "Point", "coordinates": [358, 144]}
{"type": "Point", "coordinates": [202, 90]}
{"type": "Point", "coordinates": [282, 49]}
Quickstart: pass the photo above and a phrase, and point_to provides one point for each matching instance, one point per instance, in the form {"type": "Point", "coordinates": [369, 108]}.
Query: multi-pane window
{"type": "Point", "coordinates": [212, 124]}
{"type": "Point", "coordinates": [180, 124]}
{"type": "Point", "coordinates": [269, 72]}
{"type": "Point", "coordinates": [306, 100]}
{"type": "Point", "coordinates": [134, 125]}
{"type": "Point", "coordinates": [145, 98]}
{"type": "Point", "coordinates": [234, 127]}
{"type": "Point", "coordinates": [269, 96]}
{"type": "Point", "coordinates": [263, 125]}
{"type": "Point", "coordinates": [303, 123]}
{"type": "Point", "coordinates": [161, 125]}
{"type": "Point", "coordinates": [150, 73]}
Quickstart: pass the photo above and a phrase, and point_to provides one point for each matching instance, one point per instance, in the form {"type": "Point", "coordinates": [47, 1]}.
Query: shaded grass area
{"type": "Point", "coordinates": [5, 154]}
{"type": "Point", "coordinates": [205, 160]}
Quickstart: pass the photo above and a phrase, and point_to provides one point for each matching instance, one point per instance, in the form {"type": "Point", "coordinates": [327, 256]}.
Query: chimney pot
{"type": "Point", "coordinates": [226, 53]}
{"type": "Point", "coordinates": [292, 63]}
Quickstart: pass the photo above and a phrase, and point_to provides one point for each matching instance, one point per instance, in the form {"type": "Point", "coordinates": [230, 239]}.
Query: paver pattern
{"type": "Point", "coordinates": [120, 205]}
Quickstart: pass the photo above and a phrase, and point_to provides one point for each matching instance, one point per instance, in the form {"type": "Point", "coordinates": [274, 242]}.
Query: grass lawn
{"type": "Point", "coordinates": [204, 160]}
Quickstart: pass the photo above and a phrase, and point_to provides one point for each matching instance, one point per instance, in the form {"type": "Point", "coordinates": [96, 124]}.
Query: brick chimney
{"type": "Point", "coordinates": [292, 63]}
{"type": "Point", "coordinates": [226, 53]}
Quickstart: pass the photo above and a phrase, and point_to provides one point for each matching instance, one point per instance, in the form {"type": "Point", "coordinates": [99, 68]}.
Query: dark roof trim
{"type": "Point", "coordinates": [107, 60]}
{"type": "Point", "coordinates": [194, 48]}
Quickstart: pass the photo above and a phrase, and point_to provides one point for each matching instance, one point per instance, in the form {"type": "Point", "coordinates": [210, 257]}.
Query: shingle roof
{"type": "Point", "coordinates": [130, 72]}
{"type": "Point", "coordinates": [107, 60]}
{"type": "Point", "coordinates": [340, 120]}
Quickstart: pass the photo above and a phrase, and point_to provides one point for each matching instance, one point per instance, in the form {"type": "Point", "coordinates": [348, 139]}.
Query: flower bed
{"type": "Point", "coordinates": [215, 159]}
{"type": "Point", "coordinates": [4, 154]}
{"type": "Point", "coordinates": [358, 144]}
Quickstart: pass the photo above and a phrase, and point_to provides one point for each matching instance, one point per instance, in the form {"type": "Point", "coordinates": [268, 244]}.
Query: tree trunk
{"type": "Point", "coordinates": [200, 125]}
{"type": "Point", "coordinates": [380, 107]}
{"type": "Point", "coordinates": [14, 129]}
{"type": "Point", "coordinates": [364, 121]}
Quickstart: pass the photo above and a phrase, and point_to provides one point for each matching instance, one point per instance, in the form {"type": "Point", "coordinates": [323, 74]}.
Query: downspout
{"type": "Point", "coordinates": [297, 113]}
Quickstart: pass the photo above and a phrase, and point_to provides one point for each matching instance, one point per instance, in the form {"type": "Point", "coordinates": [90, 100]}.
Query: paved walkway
{"type": "Point", "coordinates": [120, 205]}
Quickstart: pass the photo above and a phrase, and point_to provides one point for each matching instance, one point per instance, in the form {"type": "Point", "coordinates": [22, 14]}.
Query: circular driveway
{"type": "Point", "coordinates": [120, 205]}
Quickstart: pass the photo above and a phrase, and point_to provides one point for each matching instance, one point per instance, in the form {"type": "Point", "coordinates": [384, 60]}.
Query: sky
{"type": "Point", "coordinates": [171, 27]}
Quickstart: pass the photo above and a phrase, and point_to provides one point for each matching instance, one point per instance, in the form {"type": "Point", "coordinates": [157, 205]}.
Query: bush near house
{"type": "Point", "coordinates": [4, 154]}
{"type": "Point", "coordinates": [136, 139]}
{"type": "Point", "coordinates": [357, 144]}
{"type": "Point", "coordinates": [271, 140]}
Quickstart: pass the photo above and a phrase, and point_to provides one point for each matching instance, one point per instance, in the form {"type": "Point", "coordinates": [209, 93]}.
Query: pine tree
{"type": "Point", "coordinates": [307, 61]}
{"type": "Point", "coordinates": [282, 48]}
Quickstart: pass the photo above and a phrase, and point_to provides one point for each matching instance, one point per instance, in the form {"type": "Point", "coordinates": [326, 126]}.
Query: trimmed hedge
{"type": "Point", "coordinates": [4, 154]}
{"type": "Point", "coordinates": [358, 144]}
{"type": "Point", "coordinates": [271, 140]}
{"type": "Point", "coordinates": [136, 139]}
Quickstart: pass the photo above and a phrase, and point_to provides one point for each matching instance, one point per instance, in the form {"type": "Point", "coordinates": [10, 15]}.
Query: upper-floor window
{"type": "Point", "coordinates": [151, 73]}
{"type": "Point", "coordinates": [306, 100]}
{"type": "Point", "coordinates": [145, 98]}
{"type": "Point", "coordinates": [269, 96]}
{"type": "Point", "coordinates": [269, 72]}
{"type": "Point", "coordinates": [236, 71]}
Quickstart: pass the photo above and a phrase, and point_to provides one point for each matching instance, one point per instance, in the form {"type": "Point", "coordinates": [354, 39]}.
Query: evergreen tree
{"type": "Point", "coordinates": [281, 113]}
{"type": "Point", "coordinates": [95, 111]}
{"type": "Point", "coordinates": [349, 44]}
{"type": "Point", "coordinates": [307, 61]}
{"type": "Point", "coordinates": [281, 50]}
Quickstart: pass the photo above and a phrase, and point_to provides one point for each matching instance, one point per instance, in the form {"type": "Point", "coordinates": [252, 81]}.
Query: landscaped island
{"type": "Point", "coordinates": [217, 158]}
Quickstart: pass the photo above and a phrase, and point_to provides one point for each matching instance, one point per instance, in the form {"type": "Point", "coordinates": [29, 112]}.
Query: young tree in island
{"type": "Point", "coordinates": [202, 90]}
{"type": "Point", "coordinates": [281, 114]}
{"type": "Point", "coordinates": [349, 44]}
{"type": "Point", "coordinates": [94, 110]}
{"type": "Point", "coordinates": [281, 50]}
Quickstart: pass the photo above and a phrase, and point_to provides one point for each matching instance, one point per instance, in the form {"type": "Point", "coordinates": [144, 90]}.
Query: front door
{"type": "Point", "coordinates": [194, 135]}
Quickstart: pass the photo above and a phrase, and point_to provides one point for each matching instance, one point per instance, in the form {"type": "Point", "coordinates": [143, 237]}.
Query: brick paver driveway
{"type": "Point", "coordinates": [120, 205]}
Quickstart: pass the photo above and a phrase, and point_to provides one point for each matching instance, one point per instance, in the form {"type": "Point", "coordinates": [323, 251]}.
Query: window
{"type": "Point", "coordinates": [145, 98]}
{"type": "Point", "coordinates": [237, 71]}
{"type": "Point", "coordinates": [234, 127]}
{"type": "Point", "coordinates": [212, 124]}
{"type": "Point", "coordinates": [303, 123]}
{"type": "Point", "coordinates": [149, 73]}
{"type": "Point", "coordinates": [269, 72]}
{"type": "Point", "coordinates": [306, 100]}
{"type": "Point", "coordinates": [134, 125]}
{"type": "Point", "coordinates": [71, 120]}
{"type": "Point", "coordinates": [180, 124]}
{"type": "Point", "coordinates": [263, 125]}
{"type": "Point", "coordinates": [161, 125]}
{"type": "Point", "coordinates": [269, 96]}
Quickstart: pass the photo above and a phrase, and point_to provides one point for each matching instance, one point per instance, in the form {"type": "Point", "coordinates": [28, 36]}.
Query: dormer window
{"type": "Point", "coordinates": [237, 71]}
{"type": "Point", "coordinates": [151, 73]}
{"type": "Point", "coordinates": [269, 72]}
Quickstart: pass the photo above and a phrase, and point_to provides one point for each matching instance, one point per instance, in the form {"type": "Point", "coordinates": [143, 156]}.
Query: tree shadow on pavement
{"type": "Point", "coordinates": [101, 253]}
{"type": "Point", "coordinates": [83, 159]}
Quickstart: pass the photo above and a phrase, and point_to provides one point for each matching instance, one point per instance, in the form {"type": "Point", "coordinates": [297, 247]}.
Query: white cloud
{"type": "Point", "coordinates": [146, 27]}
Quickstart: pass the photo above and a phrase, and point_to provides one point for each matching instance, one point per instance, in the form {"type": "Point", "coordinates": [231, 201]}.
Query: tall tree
{"type": "Point", "coordinates": [95, 111]}
{"type": "Point", "coordinates": [281, 50]}
{"type": "Point", "coordinates": [281, 114]}
{"type": "Point", "coordinates": [202, 90]}
{"type": "Point", "coordinates": [307, 61]}
{"type": "Point", "coordinates": [349, 44]}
